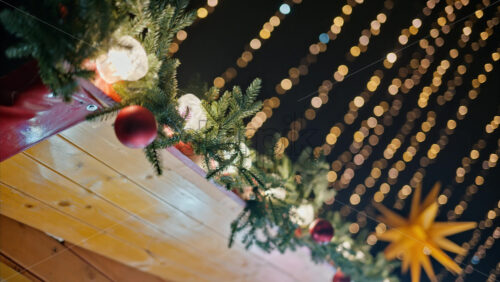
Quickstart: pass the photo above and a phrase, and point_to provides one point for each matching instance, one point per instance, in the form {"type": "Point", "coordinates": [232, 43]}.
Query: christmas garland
{"type": "Point", "coordinates": [81, 38]}
{"type": "Point", "coordinates": [284, 212]}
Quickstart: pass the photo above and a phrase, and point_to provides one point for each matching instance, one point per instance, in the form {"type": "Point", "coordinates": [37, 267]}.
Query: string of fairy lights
{"type": "Point", "coordinates": [442, 199]}
{"type": "Point", "coordinates": [343, 71]}
{"type": "Point", "coordinates": [381, 112]}
{"type": "Point", "coordinates": [465, 167]}
{"type": "Point", "coordinates": [478, 181]}
{"type": "Point", "coordinates": [483, 225]}
{"type": "Point", "coordinates": [495, 271]}
{"type": "Point", "coordinates": [420, 137]}
{"type": "Point", "coordinates": [256, 43]}
{"type": "Point", "coordinates": [393, 89]}
{"type": "Point", "coordinates": [480, 253]}
{"type": "Point", "coordinates": [294, 73]}
{"type": "Point", "coordinates": [398, 84]}
{"type": "Point", "coordinates": [360, 189]}
{"type": "Point", "coordinates": [486, 223]}
{"type": "Point", "coordinates": [201, 13]}
{"type": "Point", "coordinates": [435, 148]}
{"type": "Point", "coordinates": [432, 153]}
{"type": "Point", "coordinates": [339, 75]}
{"type": "Point", "coordinates": [373, 140]}
{"type": "Point", "coordinates": [394, 144]}
{"type": "Point", "coordinates": [474, 154]}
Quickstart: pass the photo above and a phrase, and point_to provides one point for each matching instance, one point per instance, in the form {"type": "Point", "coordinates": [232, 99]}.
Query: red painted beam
{"type": "Point", "coordinates": [29, 112]}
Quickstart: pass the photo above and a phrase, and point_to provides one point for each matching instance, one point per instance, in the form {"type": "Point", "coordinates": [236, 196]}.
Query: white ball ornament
{"type": "Point", "coordinates": [191, 109]}
{"type": "Point", "coordinates": [302, 215]}
{"type": "Point", "coordinates": [127, 60]}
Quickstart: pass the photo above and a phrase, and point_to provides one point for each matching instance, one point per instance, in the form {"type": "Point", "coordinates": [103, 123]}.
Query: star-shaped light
{"type": "Point", "coordinates": [413, 239]}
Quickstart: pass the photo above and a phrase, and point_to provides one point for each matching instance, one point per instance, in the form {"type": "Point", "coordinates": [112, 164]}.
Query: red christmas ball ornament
{"type": "Point", "coordinates": [341, 277]}
{"type": "Point", "coordinates": [321, 230]}
{"type": "Point", "coordinates": [135, 127]}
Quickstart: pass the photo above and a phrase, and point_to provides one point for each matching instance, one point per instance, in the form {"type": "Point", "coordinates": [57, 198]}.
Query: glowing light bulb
{"type": "Point", "coordinates": [324, 38]}
{"type": "Point", "coordinates": [127, 60]}
{"type": "Point", "coordinates": [285, 9]}
{"type": "Point", "coordinates": [392, 57]}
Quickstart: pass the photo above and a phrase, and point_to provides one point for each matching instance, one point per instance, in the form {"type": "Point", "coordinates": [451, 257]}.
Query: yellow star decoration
{"type": "Point", "coordinates": [417, 237]}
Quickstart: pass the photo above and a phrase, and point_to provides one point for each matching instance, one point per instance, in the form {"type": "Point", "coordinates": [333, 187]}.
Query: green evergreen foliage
{"type": "Point", "coordinates": [154, 24]}
{"type": "Point", "coordinates": [60, 35]}
{"type": "Point", "coordinates": [262, 224]}
{"type": "Point", "coordinates": [266, 221]}
{"type": "Point", "coordinates": [312, 181]}
{"type": "Point", "coordinates": [220, 140]}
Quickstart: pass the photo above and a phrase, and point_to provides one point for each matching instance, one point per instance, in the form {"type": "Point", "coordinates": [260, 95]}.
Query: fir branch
{"type": "Point", "coordinates": [153, 156]}
{"type": "Point", "coordinates": [105, 113]}
{"type": "Point", "coordinates": [264, 214]}
{"type": "Point", "coordinates": [60, 36]}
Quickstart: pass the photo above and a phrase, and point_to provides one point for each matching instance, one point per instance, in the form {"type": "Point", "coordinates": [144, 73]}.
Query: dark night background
{"type": "Point", "coordinates": [214, 44]}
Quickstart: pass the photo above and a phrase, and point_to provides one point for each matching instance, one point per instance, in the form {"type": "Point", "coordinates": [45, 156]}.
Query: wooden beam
{"type": "Point", "coordinates": [112, 269]}
{"type": "Point", "coordinates": [42, 255]}
{"type": "Point", "coordinates": [32, 212]}
{"type": "Point", "coordinates": [35, 243]}
{"type": "Point", "coordinates": [11, 271]}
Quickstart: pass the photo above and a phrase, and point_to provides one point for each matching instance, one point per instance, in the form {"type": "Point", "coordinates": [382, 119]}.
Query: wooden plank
{"type": "Point", "coordinates": [180, 183]}
{"type": "Point", "coordinates": [112, 269]}
{"type": "Point", "coordinates": [46, 185]}
{"type": "Point", "coordinates": [90, 173]}
{"type": "Point", "coordinates": [196, 194]}
{"type": "Point", "coordinates": [99, 141]}
{"type": "Point", "coordinates": [30, 211]}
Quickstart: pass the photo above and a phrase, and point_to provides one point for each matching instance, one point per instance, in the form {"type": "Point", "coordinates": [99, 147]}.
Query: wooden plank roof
{"type": "Point", "coordinates": [85, 187]}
